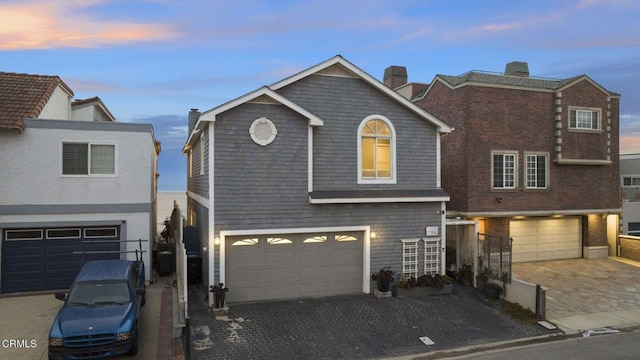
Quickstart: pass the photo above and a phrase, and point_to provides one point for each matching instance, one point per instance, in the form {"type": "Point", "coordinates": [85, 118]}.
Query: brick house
{"type": "Point", "coordinates": [534, 159]}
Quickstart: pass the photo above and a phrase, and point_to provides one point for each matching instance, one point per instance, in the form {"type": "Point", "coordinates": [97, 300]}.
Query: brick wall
{"type": "Point", "coordinates": [490, 119]}
{"type": "Point", "coordinates": [630, 249]}
{"type": "Point", "coordinates": [594, 230]}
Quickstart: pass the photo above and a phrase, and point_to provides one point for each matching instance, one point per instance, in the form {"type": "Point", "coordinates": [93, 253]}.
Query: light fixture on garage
{"type": "Point", "coordinates": [373, 235]}
{"type": "Point", "coordinates": [216, 241]}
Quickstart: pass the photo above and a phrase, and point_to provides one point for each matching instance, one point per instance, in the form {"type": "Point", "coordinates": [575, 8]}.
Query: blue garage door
{"type": "Point", "coordinates": [38, 259]}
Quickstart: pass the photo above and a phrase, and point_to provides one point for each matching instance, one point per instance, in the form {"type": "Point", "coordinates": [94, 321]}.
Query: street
{"type": "Point", "coordinates": [624, 345]}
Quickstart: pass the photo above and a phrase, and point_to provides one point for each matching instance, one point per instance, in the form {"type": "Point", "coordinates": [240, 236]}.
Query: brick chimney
{"type": "Point", "coordinates": [517, 68]}
{"type": "Point", "coordinates": [395, 76]}
{"type": "Point", "coordinates": [194, 114]}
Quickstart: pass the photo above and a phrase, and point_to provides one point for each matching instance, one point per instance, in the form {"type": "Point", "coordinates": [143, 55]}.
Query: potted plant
{"type": "Point", "coordinates": [426, 285]}
{"type": "Point", "coordinates": [384, 278]}
{"type": "Point", "coordinates": [492, 290]}
{"type": "Point", "coordinates": [481, 280]}
{"type": "Point", "coordinates": [465, 274]}
{"type": "Point", "coordinates": [483, 276]}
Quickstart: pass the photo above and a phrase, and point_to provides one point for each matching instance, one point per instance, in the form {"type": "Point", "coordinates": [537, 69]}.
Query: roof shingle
{"type": "Point", "coordinates": [24, 95]}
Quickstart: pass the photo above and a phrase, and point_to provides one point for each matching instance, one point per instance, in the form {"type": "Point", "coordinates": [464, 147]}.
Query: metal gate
{"type": "Point", "coordinates": [494, 253]}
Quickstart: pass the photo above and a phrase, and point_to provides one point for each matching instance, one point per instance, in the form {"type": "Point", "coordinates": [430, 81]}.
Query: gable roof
{"type": "Point", "coordinates": [326, 67]}
{"type": "Point", "coordinates": [350, 68]}
{"type": "Point", "coordinates": [24, 95]}
{"type": "Point", "coordinates": [94, 101]}
{"type": "Point", "coordinates": [263, 94]}
{"type": "Point", "coordinates": [481, 78]}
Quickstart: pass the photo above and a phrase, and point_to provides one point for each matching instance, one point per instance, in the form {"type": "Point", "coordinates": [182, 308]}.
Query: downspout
{"type": "Point", "coordinates": [211, 213]}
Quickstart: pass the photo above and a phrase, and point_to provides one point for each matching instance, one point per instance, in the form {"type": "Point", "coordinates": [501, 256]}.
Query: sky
{"type": "Point", "coordinates": [151, 61]}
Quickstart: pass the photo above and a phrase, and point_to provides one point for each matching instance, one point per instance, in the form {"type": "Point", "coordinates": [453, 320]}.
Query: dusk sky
{"type": "Point", "coordinates": [152, 61]}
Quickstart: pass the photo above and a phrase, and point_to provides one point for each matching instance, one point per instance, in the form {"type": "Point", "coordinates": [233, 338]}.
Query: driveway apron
{"type": "Point", "coordinates": [586, 288]}
{"type": "Point", "coordinates": [356, 326]}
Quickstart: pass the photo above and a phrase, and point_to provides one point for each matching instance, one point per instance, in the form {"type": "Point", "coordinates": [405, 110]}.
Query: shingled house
{"type": "Point", "coordinates": [307, 186]}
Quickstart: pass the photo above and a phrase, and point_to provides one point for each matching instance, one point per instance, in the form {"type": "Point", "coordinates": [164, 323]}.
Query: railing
{"type": "Point", "coordinates": [494, 255]}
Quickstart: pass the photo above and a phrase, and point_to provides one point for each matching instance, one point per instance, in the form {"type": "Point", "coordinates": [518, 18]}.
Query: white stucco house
{"type": "Point", "coordinates": [74, 182]}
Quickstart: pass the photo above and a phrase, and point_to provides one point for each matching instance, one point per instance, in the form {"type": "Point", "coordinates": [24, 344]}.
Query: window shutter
{"type": "Point", "coordinates": [103, 159]}
{"type": "Point", "coordinates": [74, 159]}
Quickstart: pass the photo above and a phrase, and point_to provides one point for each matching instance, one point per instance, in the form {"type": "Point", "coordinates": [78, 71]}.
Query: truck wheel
{"type": "Point", "coordinates": [134, 347]}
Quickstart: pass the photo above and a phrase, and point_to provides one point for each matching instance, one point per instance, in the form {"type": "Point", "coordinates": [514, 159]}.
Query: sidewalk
{"type": "Point", "coordinates": [175, 350]}
{"type": "Point", "coordinates": [585, 294]}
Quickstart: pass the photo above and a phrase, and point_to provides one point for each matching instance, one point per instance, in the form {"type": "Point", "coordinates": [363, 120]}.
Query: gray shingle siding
{"type": "Point", "coordinates": [198, 183]}
{"type": "Point", "coordinates": [343, 103]}
{"type": "Point", "coordinates": [266, 187]}
{"type": "Point", "coordinates": [202, 225]}
{"type": "Point", "coordinates": [256, 183]}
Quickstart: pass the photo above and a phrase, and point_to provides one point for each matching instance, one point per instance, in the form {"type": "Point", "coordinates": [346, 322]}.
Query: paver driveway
{"type": "Point", "coordinates": [350, 327]}
{"type": "Point", "coordinates": [584, 287]}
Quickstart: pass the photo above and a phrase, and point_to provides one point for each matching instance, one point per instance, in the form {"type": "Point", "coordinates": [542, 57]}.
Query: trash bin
{"type": "Point", "coordinates": [164, 263]}
{"type": "Point", "coordinates": [194, 269]}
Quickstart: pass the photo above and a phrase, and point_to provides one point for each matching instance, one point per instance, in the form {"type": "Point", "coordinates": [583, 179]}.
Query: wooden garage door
{"type": "Point", "coordinates": [293, 265]}
{"type": "Point", "coordinates": [38, 259]}
{"type": "Point", "coordinates": [546, 239]}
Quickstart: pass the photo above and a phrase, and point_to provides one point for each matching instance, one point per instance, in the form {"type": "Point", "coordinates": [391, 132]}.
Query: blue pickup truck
{"type": "Point", "coordinates": [100, 314]}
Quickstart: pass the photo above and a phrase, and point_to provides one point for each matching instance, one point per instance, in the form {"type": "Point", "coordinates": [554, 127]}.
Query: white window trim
{"type": "Point", "coordinates": [579, 108]}
{"type": "Point", "coordinates": [202, 150]}
{"type": "Point", "coordinates": [86, 236]}
{"type": "Point", "coordinates": [89, 143]}
{"type": "Point", "coordinates": [515, 170]}
{"type": "Point", "coordinates": [546, 167]}
{"type": "Point", "coordinates": [272, 135]}
{"type": "Point", "coordinates": [393, 178]}
{"type": "Point", "coordinates": [7, 232]}
{"type": "Point", "coordinates": [632, 177]}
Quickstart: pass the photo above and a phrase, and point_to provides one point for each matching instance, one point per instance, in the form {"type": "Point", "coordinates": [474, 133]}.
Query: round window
{"type": "Point", "coordinates": [262, 131]}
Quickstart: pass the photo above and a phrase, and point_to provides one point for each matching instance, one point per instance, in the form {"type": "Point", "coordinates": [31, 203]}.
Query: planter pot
{"type": "Point", "coordinates": [421, 291]}
{"type": "Point", "coordinates": [383, 284]}
{"type": "Point", "coordinates": [481, 281]}
{"type": "Point", "coordinates": [492, 292]}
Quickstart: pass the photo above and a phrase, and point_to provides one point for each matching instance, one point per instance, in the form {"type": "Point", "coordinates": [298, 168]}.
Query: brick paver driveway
{"type": "Point", "coordinates": [350, 327]}
{"type": "Point", "coordinates": [584, 286]}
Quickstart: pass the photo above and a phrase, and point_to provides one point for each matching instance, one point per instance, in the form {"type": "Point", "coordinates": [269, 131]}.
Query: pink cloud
{"type": "Point", "coordinates": [49, 24]}
{"type": "Point", "coordinates": [629, 144]}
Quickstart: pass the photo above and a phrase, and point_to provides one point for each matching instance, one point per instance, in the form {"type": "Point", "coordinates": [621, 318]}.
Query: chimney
{"type": "Point", "coordinates": [517, 68]}
{"type": "Point", "coordinates": [395, 76]}
{"type": "Point", "coordinates": [194, 114]}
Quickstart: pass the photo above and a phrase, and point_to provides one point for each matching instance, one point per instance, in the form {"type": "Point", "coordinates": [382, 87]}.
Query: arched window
{"type": "Point", "coordinates": [376, 150]}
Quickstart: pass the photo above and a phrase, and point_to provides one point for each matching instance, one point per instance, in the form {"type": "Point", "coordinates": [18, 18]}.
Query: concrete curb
{"type": "Point", "coordinates": [461, 352]}
{"type": "Point", "coordinates": [475, 350]}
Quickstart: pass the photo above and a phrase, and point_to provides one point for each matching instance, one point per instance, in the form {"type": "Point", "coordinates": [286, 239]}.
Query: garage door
{"type": "Point", "coordinates": [546, 239]}
{"type": "Point", "coordinates": [293, 266]}
{"type": "Point", "coordinates": [43, 258]}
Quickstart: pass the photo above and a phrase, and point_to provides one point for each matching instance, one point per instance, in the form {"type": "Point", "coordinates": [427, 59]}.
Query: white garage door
{"type": "Point", "coordinates": [546, 239]}
{"type": "Point", "coordinates": [269, 267]}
